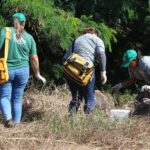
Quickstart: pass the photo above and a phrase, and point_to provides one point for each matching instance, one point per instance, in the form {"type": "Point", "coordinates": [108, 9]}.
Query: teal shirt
{"type": "Point", "coordinates": [19, 49]}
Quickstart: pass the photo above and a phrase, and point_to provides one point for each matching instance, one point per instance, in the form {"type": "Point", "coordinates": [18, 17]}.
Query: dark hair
{"type": "Point", "coordinates": [90, 30]}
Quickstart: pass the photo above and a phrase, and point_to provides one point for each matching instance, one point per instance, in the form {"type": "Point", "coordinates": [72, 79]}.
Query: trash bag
{"type": "Point", "coordinates": [142, 103]}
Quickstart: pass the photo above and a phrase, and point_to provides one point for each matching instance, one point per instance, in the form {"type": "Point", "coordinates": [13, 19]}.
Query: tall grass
{"type": "Point", "coordinates": [47, 126]}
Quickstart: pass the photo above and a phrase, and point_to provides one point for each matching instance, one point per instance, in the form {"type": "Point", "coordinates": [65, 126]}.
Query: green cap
{"type": "Point", "coordinates": [21, 17]}
{"type": "Point", "coordinates": [128, 57]}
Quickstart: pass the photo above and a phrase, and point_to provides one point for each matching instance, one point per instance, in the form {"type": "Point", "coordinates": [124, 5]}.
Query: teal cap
{"type": "Point", "coordinates": [21, 17]}
{"type": "Point", "coordinates": [128, 57]}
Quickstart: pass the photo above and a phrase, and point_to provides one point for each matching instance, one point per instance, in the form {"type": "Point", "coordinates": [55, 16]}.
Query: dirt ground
{"type": "Point", "coordinates": [46, 127]}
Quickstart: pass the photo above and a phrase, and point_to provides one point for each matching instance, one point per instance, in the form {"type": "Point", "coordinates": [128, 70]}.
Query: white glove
{"type": "Point", "coordinates": [39, 77]}
{"type": "Point", "coordinates": [117, 87]}
{"type": "Point", "coordinates": [145, 88]}
{"type": "Point", "coordinates": [103, 77]}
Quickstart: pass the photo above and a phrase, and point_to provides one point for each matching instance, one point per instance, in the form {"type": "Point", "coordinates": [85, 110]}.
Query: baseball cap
{"type": "Point", "coordinates": [128, 57]}
{"type": "Point", "coordinates": [21, 17]}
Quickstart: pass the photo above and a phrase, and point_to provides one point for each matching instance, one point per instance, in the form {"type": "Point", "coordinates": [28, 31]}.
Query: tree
{"type": "Point", "coordinates": [53, 28]}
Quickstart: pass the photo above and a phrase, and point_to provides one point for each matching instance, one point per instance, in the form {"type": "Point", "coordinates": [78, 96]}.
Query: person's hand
{"type": "Point", "coordinates": [145, 88]}
{"type": "Point", "coordinates": [39, 77]}
{"type": "Point", "coordinates": [117, 87]}
{"type": "Point", "coordinates": [103, 77]}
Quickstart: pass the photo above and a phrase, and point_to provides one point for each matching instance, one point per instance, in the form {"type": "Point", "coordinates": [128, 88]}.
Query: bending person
{"type": "Point", "coordinates": [90, 47]}
{"type": "Point", "coordinates": [139, 69]}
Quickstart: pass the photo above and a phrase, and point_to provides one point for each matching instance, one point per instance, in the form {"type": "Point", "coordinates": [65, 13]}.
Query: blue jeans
{"type": "Point", "coordinates": [11, 94]}
{"type": "Point", "coordinates": [79, 92]}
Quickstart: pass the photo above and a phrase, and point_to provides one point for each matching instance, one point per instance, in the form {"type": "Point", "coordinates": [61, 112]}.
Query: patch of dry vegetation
{"type": "Point", "coordinates": [47, 126]}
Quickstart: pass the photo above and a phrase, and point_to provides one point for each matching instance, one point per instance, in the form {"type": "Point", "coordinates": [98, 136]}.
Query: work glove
{"type": "Point", "coordinates": [103, 77]}
{"type": "Point", "coordinates": [39, 77]}
{"type": "Point", "coordinates": [117, 87]}
{"type": "Point", "coordinates": [145, 88]}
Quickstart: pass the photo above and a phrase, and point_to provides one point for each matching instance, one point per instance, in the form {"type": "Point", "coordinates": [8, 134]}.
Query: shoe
{"type": "Point", "coordinates": [72, 112]}
{"type": "Point", "coordinates": [9, 124]}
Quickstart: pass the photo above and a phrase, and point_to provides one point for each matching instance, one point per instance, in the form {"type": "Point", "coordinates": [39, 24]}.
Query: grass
{"type": "Point", "coordinates": [47, 126]}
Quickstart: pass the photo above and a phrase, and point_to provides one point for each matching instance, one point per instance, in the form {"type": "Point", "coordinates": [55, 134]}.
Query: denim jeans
{"type": "Point", "coordinates": [79, 92]}
{"type": "Point", "coordinates": [11, 94]}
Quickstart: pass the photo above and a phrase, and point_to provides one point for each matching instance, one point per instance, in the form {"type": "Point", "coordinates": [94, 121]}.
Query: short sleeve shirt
{"type": "Point", "coordinates": [142, 72]}
{"type": "Point", "coordinates": [19, 49]}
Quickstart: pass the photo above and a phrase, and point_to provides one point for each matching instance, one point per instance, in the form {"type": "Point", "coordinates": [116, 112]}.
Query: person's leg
{"type": "Point", "coordinates": [20, 81]}
{"type": "Point", "coordinates": [80, 96]}
{"type": "Point", "coordinates": [5, 97]}
{"type": "Point", "coordinates": [74, 103]}
{"type": "Point", "coordinates": [5, 103]}
{"type": "Point", "coordinates": [89, 96]}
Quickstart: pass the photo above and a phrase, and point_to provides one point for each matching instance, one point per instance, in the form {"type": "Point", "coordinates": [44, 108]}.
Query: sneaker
{"type": "Point", "coordinates": [9, 124]}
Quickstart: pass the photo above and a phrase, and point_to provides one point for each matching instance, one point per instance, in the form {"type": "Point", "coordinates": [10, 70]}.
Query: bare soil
{"type": "Point", "coordinates": [46, 126]}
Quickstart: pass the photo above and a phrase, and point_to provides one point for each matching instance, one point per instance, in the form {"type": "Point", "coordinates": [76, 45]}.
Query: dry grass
{"type": "Point", "coordinates": [47, 126]}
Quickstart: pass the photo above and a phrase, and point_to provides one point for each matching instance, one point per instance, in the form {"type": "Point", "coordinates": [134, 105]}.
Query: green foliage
{"type": "Point", "coordinates": [2, 22]}
{"type": "Point", "coordinates": [107, 33]}
{"type": "Point", "coordinates": [53, 28]}
{"type": "Point", "coordinates": [121, 99]}
{"type": "Point", "coordinates": [51, 25]}
{"type": "Point", "coordinates": [56, 123]}
{"type": "Point", "coordinates": [55, 23]}
{"type": "Point", "coordinates": [129, 11]}
{"type": "Point", "coordinates": [58, 72]}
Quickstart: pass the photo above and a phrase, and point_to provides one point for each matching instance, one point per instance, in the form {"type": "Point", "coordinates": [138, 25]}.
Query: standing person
{"type": "Point", "coordinates": [139, 69]}
{"type": "Point", "coordinates": [90, 47]}
{"type": "Point", "coordinates": [22, 48]}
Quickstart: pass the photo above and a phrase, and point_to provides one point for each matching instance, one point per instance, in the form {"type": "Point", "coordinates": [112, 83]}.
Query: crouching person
{"type": "Point", "coordinates": [88, 46]}
{"type": "Point", "coordinates": [139, 69]}
{"type": "Point", "coordinates": [22, 48]}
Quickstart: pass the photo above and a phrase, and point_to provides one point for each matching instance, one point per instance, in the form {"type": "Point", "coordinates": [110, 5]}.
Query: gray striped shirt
{"type": "Point", "coordinates": [90, 47]}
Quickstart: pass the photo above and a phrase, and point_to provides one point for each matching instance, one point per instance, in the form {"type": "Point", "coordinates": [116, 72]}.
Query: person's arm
{"type": "Point", "coordinates": [123, 84]}
{"type": "Point", "coordinates": [128, 82]}
{"type": "Point", "coordinates": [35, 61]}
{"type": "Point", "coordinates": [35, 65]}
{"type": "Point", "coordinates": [102, 62]}
{"type": "Point", "coordinates": [100, 51]}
